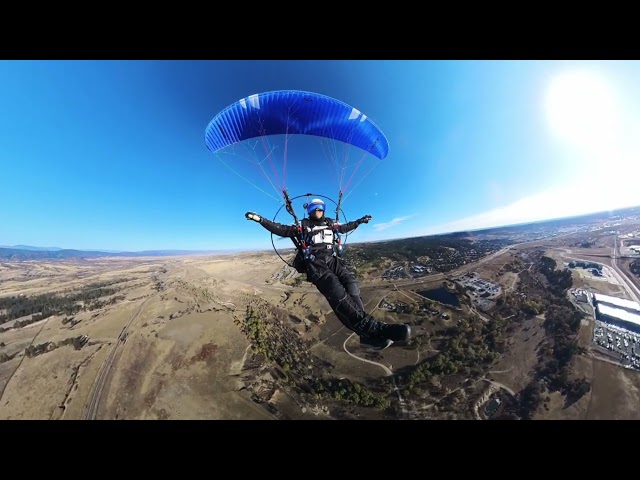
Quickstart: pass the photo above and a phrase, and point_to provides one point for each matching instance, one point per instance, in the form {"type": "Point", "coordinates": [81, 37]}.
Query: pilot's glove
{"type": "Point", "coordinates": [253, 216]}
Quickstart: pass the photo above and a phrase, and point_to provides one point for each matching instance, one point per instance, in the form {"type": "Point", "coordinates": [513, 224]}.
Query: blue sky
{"type": "Point", "coordinates": [111, 155]}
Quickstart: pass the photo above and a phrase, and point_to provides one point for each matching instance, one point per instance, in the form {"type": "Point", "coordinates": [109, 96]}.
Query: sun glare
{"type": "Point", "coordinates": [582, 111]}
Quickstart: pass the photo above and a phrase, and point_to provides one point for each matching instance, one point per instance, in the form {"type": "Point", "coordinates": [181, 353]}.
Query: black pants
{"type": "Point", "coordinates": [340, 288]}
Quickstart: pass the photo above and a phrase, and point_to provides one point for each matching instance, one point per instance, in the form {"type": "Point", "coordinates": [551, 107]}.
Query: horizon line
{"type": "Point", "coordinates": [239, 250]}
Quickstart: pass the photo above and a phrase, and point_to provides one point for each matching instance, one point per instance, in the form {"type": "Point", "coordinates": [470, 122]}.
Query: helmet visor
{"type": "Point", "coordinates": [314, 206]}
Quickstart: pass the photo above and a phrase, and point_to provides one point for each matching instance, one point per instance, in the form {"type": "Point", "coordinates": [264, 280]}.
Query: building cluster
{"type": "Point", "coordinates": [617, 311]}
{"type": "Point", "coordinates": [582, 295]}
{"type": "Point", "coordinates": [397, 307]}
{"type": "Point", "coordinates": [442, 259]}
{"type": "Point", "coordinates": [479, 287]}
{"type": "Point", "coordinates": [394, 273]}
{"type": "Point", "coordinates": [617, 325]}
{"type": "Point", "coordinates": [419, 270]}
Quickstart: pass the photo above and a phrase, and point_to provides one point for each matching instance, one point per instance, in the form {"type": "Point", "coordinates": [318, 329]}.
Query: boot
{"type": "Point", "coordinates": [397, 332]}
{"type": "Point", "coordinates": [381, 335]}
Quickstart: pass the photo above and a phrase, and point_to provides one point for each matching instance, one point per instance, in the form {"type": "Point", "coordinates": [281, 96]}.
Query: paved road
{"type": "Point", "coordinates": [619, 275]}
{"type": "Point", "coordinates": [624, 279]}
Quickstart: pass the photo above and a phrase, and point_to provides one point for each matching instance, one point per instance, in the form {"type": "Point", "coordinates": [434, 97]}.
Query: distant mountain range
{"type": "Point", "coordinates": [28, 252]}
{"type": "Point", "coordinates": [29, 247]}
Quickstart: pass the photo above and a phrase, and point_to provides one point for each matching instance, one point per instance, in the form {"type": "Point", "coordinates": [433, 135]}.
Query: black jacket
{"type": "Point", "coordinates": [291, 231]}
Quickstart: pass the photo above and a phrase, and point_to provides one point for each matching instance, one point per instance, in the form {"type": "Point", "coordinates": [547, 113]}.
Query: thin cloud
{"type": "Point", "coordinates": [574, 200]}
{"type": "Point", "coordinates": [378, 227]}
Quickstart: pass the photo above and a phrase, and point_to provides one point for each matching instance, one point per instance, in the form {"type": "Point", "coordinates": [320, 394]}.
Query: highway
{"type": "Point", "coordinates": [624, 279]}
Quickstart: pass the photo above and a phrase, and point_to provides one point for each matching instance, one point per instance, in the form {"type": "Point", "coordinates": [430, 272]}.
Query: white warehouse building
{"type": "Point", "coordinates": [618, 303]}
{"type": "Point", "coordinates": [618, 316]}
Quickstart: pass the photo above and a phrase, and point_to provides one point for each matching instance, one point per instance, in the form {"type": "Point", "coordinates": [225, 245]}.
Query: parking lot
{"type": "Point", "coordinates": [623, 343]}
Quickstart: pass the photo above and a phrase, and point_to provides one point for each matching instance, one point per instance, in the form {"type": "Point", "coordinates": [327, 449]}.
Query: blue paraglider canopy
{"type": "Point", "coordinates": [294, 112]}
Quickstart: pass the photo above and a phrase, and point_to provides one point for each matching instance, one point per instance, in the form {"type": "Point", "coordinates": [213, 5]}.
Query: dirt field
{"type": "Point", "coordinates": [509, 280]}
{"type": "Point", "coordinates": [490, 270]}
{"type": "Point", "coordinates": [176, 351]}
{"type": "Point", "coordinates": [181, 359]}
{"type": "Point", "coordinates": [516, 368]}
{"type": "Point", "coordinates": [183, 355]}
{"type": "Point", "coordinates": [614, 395]}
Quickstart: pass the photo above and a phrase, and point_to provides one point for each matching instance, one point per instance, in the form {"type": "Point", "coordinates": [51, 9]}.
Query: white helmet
{"type": "Point", "coordinates": [315, 204]}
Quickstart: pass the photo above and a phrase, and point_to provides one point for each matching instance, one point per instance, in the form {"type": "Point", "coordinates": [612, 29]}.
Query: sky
{"type": "Point", "coordinates": [110, 155]}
